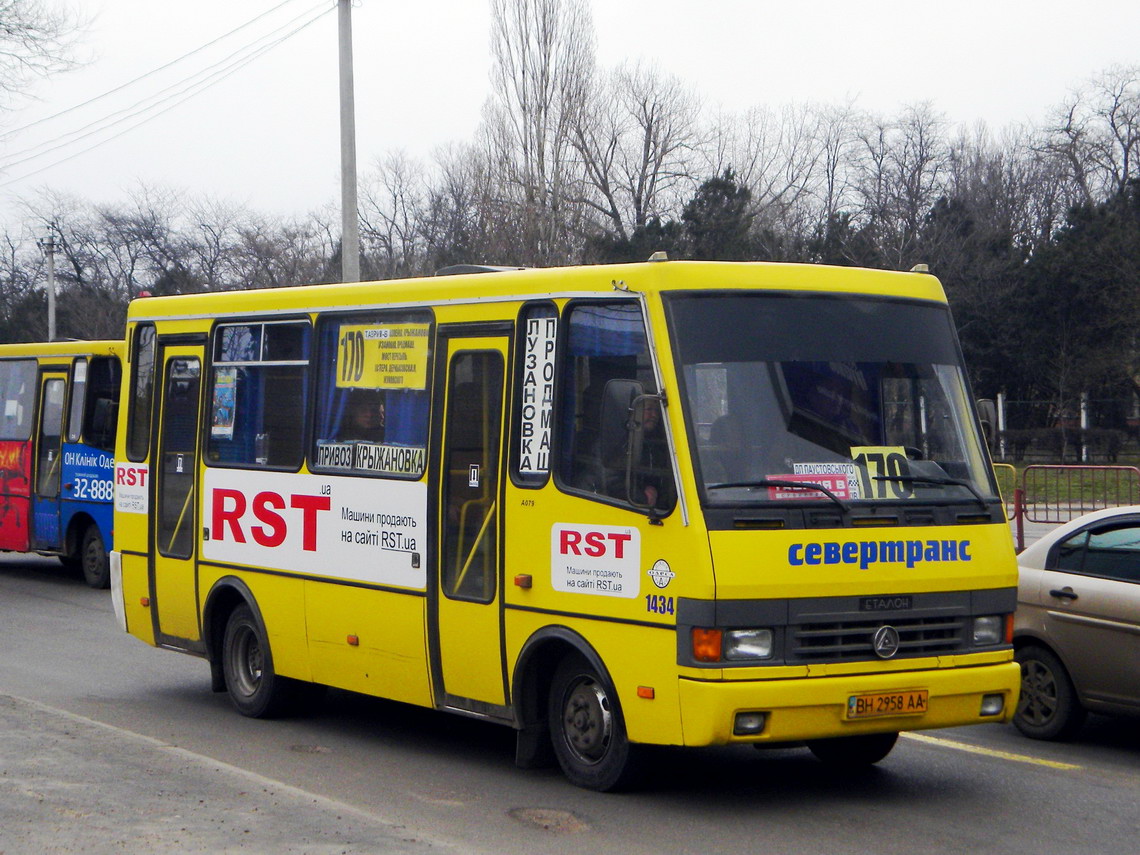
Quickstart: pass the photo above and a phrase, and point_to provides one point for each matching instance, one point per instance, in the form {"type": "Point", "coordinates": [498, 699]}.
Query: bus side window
{"type": "Point", "coordinates": [142, 392]}
{"type": "Point", "coordinates": [606, 343]}
{"type": "Point", "coordinates": [100, 414]}
{"type": "Point", "coordinates": [78, 396]}
{"type": "Point", "coordinates": [17, 397]}
{"type": "Point", "coordinates": [259, 387]}
{"type": "Point", "coordinates": [372, 399]}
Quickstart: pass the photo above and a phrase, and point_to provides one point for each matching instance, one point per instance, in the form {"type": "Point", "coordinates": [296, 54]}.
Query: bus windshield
{"type": "Point", "coordinates": [795, 398]}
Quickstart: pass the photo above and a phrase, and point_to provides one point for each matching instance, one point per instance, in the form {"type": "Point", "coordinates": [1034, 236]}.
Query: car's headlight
{"type": "Point", "coordinates": [747, 644]}
{"type": "Point", "coordinates": [988, 629]}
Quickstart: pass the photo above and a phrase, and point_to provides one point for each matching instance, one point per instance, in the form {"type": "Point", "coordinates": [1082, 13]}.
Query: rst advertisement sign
{"type": "Point", "coordinates": [595, 559]}
{"type": "Point", "coordinates": [132, 487]}
{"type": "Point", "coordinates": [361, 529]}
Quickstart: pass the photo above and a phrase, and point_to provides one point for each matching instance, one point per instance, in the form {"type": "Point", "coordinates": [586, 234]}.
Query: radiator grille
{"type": "Point", "coordinates": [851, 641]}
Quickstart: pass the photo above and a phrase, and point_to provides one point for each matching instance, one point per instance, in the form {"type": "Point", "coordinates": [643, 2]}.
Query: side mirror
{"type": "Point", "coordinates": [987, 415]}
{"type": "Point", "coordinates": [617, 402]}
{"type": "Point", "coordinates": [625, 409]}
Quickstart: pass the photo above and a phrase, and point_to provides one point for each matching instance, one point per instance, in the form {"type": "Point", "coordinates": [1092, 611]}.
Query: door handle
{"type": "Point", "coordinates": [1065, 593]}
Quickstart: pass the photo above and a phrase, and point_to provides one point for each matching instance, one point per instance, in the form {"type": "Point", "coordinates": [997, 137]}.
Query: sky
{"type": "Point", "coordinates": [266, 134]}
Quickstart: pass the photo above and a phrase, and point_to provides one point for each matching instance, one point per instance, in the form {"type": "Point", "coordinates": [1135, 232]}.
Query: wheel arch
{"type": "Point", "coordinates": [530, 687]}
{"type": "Point", "coordinates": [224, 596]}
{"type": "Point", "coordinates": [77, 524]}
{"type": "Point", "coordinates": [1033, 639]}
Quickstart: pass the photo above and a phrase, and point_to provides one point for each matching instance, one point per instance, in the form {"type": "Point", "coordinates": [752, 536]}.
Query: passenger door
{"type": "Point", "coordinates": [468, 663]}
{"type": "Point", "coordinates": [49, 461]}
{"type": "Point", "coordinates": [1092, 610]}
{"type": "Point", "coordinates": [174, 520]}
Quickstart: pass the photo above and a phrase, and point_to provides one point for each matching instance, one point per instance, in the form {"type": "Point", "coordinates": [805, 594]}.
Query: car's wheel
{"type": "Point", "coordinates": [1048, 707]}
{"type": "Point", "coordinates": [253, 686]}
{"type": "Point", "coordinates": [93, 559]}
{"type": "Point", "coordinates": [587, 729]}
{"type": "Point", "coordinates": [853, 751]}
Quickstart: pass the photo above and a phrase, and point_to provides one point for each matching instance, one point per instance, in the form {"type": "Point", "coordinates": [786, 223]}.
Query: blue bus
{"type": "Point", "coordinates": [58, 410]}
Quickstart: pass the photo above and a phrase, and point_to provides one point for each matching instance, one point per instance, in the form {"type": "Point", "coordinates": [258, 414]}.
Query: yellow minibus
{"type": "Point", "coordinates": [669, 503]}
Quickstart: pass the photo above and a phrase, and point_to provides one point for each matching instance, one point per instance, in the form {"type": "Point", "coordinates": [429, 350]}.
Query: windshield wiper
{"type": "Point", "coordinates": [937, 482]}
{"type": "Point", "coordinates": [775, 482]}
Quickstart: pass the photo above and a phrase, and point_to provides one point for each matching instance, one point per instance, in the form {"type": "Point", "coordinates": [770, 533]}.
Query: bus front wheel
{"type": "Point", "coordinates": [587, 729]}
{"type": "Point", "coordinates": [854, 751]}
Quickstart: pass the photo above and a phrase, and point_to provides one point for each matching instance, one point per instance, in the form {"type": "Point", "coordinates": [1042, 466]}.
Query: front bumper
{"type": "Point", "coordinates": [814, 707]}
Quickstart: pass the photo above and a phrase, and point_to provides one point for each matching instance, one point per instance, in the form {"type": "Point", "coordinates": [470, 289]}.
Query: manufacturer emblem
{"type": "Point", "coordinates": [885, 642]}
{"type": "Point", "coordinates": [660, 573]}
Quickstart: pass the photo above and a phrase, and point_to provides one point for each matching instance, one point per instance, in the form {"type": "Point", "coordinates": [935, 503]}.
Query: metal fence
{"type": "Point", "coordinates": [1055, 494]}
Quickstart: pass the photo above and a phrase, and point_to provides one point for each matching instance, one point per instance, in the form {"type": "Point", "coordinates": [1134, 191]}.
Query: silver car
{"type": "Point", "coordinates": [1077, 628]}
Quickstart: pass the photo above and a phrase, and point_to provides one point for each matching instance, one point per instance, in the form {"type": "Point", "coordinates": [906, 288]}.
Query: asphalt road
{"type": "Point", "coordinates": [107, 745]}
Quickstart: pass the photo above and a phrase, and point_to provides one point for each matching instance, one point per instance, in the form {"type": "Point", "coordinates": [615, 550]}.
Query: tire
{"type": "Point", "coordinates": [93, 559]}
{"type": "Point", "coordinates": [587, 729]}
{"type": "Point", "coordinates": [851, 752]}
{"type": "Point", "coordinates": [247, 663]}
{"type": "Point", "coordinates": [1048, 707]}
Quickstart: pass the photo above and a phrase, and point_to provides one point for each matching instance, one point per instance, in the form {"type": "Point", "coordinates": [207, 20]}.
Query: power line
{"type": "Point", "coordinates": [202, 86]}
{"type": "Point", "coordinates": [152, 72]}
{"type": "Point", "coordinates": [154, 100]}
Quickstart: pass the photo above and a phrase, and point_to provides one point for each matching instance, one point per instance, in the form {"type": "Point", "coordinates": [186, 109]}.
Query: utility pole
{"type": "Point", "coordinates": [350, 223]}
{"type": "Point", "coordinates": [48, 246]}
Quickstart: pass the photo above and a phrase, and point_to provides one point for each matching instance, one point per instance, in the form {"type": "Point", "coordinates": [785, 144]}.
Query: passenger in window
{"type": "Point", "coordinates": [366, 416]}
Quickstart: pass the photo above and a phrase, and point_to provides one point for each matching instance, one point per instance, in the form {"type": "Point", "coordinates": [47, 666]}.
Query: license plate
{"type": "Point", "coordinates": [888, 703]}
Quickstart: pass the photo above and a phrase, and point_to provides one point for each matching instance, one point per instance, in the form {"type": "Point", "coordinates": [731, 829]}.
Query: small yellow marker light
{"type": "Point", "coordinates": [646, 692]}
{"type": "Point", "coordinates": [144, 602]}
{"type": "Point", "coordinates": [354, 640]}
{"type": "Point", "coordinates": [524, 580]}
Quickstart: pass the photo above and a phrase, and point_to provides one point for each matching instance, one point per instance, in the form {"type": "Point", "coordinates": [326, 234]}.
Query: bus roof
{"type": "Point", "coordinates": [553, 282]}
{"type": "Point", "coordinates": [71, 347]}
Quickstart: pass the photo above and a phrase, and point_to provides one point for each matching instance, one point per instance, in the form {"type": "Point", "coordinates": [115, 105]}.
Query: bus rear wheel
{"type": "Point", "coordinates": [253, 686]}
{"type": "Point", "coordinates": [587, 729]}
{"type": "Point", "coordinates": [93, 559]}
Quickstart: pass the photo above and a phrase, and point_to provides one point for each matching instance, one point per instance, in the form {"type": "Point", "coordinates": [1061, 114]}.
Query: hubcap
{"type": "Point", "coordinates": [1038, 703]}
{"type": "Point", "coordinates": [248, 661]}
{"type": "Point", "coordinates": [93, 558]}
{"type": "Point", "coordinates": [587, 720]}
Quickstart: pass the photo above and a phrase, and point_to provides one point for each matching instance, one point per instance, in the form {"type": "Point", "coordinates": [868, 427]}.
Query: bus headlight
{"type": "Point", "coordinates": [747, 644]}
{"type": "Point", "coordinates": [988, 629]}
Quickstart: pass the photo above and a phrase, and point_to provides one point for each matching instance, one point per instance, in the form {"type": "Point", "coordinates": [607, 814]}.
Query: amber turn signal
{"type": "Point", "coordinates": [707, 644]}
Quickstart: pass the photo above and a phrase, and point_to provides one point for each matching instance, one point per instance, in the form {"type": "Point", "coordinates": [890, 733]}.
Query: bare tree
{"type": "Point", "coordinates": [466, 219]}
{"type": "Point", "coordinates": [35, 40]}
{"type": "Point", "coordinates": [392, 213]}
{"type": "Point", "coordinates": [1094, 135]}
{"type": "Point", "coordinates": [835, 139]}
{"type": "Point", "coordinates": [637, 141]}
{"type": "Point", "coordinates": [543, 66]}
{"type": "Point", "coordinates": [1115, 103]}
{"type": "Point", "coordinates": [900, 173]}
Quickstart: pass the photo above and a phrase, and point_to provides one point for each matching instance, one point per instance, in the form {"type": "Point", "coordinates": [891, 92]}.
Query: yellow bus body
{"type": "Point", "coordinates": [492, 653]}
